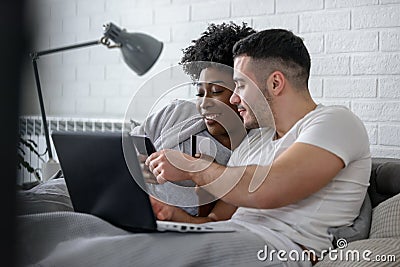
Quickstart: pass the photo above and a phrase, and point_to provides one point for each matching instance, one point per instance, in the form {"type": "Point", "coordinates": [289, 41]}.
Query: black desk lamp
{"type": "Point", "coordinates": [139, 51]}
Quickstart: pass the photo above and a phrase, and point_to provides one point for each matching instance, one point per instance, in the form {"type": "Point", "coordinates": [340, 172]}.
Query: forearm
{"type": "Point", "coordinates": [291, 178]}
{"type": "Point", "coordinates": [222, 211]}
{"type": "Point", "coordinates": [182, 216]}
{"type": "Point", "coordinates": [232, 184]}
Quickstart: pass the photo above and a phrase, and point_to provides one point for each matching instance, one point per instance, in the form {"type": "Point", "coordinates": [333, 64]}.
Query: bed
{"type": "Point", "coordinates": [50, 233]}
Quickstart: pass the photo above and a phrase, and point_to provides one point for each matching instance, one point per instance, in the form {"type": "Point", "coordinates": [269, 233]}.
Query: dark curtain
{"type": "Point", "coordinates": [12, 48]}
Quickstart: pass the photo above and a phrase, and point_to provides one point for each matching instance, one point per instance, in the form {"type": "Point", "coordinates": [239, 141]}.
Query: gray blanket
{"type": "Point", "coordinates": [50, 233]}
{"type": "Point", "coordinates": [74, 239]}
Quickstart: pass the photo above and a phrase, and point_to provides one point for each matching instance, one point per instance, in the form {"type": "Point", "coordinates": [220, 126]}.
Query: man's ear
{"type": "Point", "coordinates": [276, 82]}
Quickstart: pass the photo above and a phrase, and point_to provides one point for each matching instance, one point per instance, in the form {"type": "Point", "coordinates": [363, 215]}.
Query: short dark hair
{"type": "Point", "coordinates": [214, 45]}
{"type": "Point", "coordinates": [281, 48]}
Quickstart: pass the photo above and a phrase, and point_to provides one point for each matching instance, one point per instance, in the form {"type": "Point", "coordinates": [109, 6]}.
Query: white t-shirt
{"type": "Point", "coordinates": [335, 129]}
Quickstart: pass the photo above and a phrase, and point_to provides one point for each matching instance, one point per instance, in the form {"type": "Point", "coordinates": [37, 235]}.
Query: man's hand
{"type": "Point", "coordinates": [173, 165]}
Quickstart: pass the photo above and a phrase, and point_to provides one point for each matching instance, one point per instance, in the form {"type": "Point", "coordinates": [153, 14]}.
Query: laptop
{"type": "Point", "coordinates": [100, 183]}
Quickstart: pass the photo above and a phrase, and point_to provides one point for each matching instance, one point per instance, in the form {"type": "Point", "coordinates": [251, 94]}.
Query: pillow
{"type": "Point", "coordinates": [386, 219]}
{"type": "Point", "coordinates": [359, 229]}
{"type": "Point", "coordinates": [48, 196]}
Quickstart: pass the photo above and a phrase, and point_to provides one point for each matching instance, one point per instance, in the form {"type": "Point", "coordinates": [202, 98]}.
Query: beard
{"type": "Point", "coordinates": [252, 122]}
{"type": "Point", "coordinates": [260, 113]}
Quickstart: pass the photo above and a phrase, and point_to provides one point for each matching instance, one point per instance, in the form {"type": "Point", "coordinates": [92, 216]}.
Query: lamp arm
{"type": "Point", "coordinates": [104, 40]}
{"type": "Point", "coordinates": [42, 111]}
{"type": "Point", "coordinates": [35, 56]}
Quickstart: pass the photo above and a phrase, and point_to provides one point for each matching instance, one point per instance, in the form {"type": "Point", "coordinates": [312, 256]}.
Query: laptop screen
{"type": "Point", "coordinates": [99, 181]}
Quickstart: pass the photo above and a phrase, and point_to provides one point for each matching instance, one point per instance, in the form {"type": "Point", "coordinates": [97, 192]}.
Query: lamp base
{"type": "Point", "coordinates": [49, 169]}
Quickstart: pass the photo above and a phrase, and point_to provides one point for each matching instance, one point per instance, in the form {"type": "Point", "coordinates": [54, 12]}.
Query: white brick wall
{"type": "Point", "coordinates": [354, 47]}
{"type": "Point", "coordinates": [344, 42]}
{"type": "Point", "coordinates": [373, 64]}
{"type": "Point", "coordinates": [350, 87]}
{"type": "Point", "coordinates": [252, 8]}
{"type": "Point", "coordinates": [376, 17]}
{"type": "Point", "coordinates": [324, 21]}
{"type": "Point", "coordinates": [390, 40]}
{"type": "Point", "coordinates": [286, 6]}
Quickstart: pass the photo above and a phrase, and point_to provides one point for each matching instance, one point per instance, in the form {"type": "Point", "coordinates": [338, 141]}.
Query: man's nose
{"type": "Point", "coordinates": [234, 99]}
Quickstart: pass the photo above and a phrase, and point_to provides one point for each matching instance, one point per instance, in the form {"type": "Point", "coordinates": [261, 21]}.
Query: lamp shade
{"type": "Point", "coordinates": [139, 51]}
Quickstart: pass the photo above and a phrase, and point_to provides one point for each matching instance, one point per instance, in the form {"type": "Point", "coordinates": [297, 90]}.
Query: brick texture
{"type": "Point", "coordinates": [354, 47]}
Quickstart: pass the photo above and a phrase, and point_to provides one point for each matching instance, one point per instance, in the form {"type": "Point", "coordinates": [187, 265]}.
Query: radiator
{"type": "Point", "coordinates": [31, 128]}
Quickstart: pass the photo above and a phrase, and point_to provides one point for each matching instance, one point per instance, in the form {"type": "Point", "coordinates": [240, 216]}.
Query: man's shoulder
{"type": "Point", "coordinates": [334, 109]}
{"type": "Point", "coordinates": [334, 113]}
{"type": "Point", "coordinates": [336, 129]}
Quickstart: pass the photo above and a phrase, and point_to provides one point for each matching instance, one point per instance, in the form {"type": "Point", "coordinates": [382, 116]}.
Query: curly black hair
{"type": "Point", "coordinates": [214, 45]}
